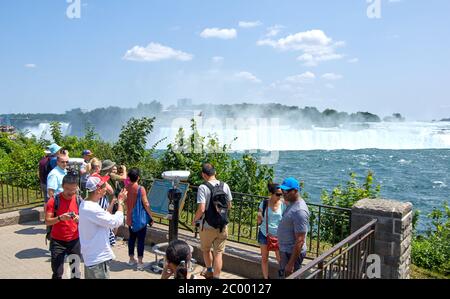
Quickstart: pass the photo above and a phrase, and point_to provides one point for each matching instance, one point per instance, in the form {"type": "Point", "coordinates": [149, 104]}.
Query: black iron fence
{"type": "Point", "coordinates": [347, 260]}
{"type": "Point", "coordinates": [19, 189]}
{"type": "Point", "coordinates": [328, 225]}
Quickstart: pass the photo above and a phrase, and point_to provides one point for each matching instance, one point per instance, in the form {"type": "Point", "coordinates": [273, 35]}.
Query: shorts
{"type": "Point", "coordinates": [262, 240]}
{"type": "Point", "coordinates": [99, 271]}
{"type": "Point", "coordinates": [213, 238]}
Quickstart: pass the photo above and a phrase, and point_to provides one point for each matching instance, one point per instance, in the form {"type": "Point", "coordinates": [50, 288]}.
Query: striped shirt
{"type": "Point", "coordinates": [104, 203]}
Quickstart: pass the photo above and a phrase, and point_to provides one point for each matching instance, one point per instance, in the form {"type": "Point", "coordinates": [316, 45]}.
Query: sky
{"type": "Point", "coordinates": [385, 56]}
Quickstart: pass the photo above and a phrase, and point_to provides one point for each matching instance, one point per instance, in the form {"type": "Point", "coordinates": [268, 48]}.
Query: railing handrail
{"type": "Point", "coordinates": [335, 248]}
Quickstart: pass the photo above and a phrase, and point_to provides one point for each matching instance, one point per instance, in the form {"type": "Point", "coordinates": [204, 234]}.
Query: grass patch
{"type": "Point", "coordinates": [421, 273]}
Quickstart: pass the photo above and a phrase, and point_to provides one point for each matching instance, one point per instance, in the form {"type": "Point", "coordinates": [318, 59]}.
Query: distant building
{"type": "Point", "coordinates": [7, 129]}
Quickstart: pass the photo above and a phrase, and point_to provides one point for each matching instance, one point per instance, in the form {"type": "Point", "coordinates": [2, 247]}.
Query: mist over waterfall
{"type": "Point", "coordinates": [384, 135]}
{"type": "Point", "coordinates": [44, 130]}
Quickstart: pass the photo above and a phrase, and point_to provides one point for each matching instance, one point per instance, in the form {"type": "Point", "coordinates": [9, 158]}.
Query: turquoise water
{"type": "Point", "coordinates": [421, 177]}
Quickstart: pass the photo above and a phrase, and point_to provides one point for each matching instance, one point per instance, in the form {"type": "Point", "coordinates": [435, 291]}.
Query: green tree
{"type": "Point", "coordinates": [130, 148]}
{"type": "Point", "coordinates": [55, 130]}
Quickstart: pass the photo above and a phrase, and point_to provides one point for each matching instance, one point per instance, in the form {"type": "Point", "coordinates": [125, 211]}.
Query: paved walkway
{"type": "Point", "coordinates": [24, 255]}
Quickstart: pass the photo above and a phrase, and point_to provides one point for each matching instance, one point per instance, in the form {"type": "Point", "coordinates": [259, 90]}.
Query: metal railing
{"type": "Point", "coordinates": [328, 225]}
{"type": "Point", "coordinates": [18, 189]}
{"type": "Point", "coordinates": [346, 260]}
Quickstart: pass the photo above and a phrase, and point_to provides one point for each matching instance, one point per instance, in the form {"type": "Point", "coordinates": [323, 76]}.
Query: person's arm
{"type": "Point", "coordinates": [50, 219]}
{"type": "Point", "coordinates": [52, 185]}
{"type": "Point", "coordinates": [296, 251]}
{"type": "Point", "coordinates": [105, 219]}
{"type": "Point", "coordinates": [230, 197]}
{"type": "Point", "coordinates": [145, 201]}
{"type": "Point", "coordinates": [51, 193]}
{"type": "Point", "coordinates": [201, 201]}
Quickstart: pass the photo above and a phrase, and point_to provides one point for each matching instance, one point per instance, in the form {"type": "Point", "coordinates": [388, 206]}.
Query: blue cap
{"type": "Point", "coordinates": [289, 184]}
{"type": "Point", "coordinates": [87, 153]}
{"type": "Point", "coordinates": [53, 148]}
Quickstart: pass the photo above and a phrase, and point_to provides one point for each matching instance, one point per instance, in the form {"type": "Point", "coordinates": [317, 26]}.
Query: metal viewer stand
{"type": "Point", "coordinates": [174, 196]}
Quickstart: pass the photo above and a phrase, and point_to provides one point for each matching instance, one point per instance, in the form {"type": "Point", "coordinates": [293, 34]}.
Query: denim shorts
{"type": "Point", "coordinates": [262, 240]}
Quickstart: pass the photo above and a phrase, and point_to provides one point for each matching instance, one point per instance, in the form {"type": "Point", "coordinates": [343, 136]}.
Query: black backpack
{"type": "Point", "coordinates": [56, 207]}
{"type": "Point", "coordinates": [217, 211]}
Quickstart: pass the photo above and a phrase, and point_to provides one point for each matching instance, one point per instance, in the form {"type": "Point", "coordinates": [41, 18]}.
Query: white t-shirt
{"type": "Point", "coordinates": [94, 228]}
{"type": "Point", "coordinates": [204, 195]}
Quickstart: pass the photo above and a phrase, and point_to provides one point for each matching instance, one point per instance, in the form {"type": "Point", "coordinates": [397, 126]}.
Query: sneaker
{"type": "Point", "coordinates": [140, 266]}
{"type": "Point", "coordinates": [207, 274]}
{"type": "Point", "coordinates": [132, 262]}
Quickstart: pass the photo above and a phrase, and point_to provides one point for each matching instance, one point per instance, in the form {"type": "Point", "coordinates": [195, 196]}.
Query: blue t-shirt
{"type": "Point", "coordinates": [295, 220]}
{"type": "Point", "coordinates": [274, 218]}
{"type": "Point", "coordinates": [55, 178]}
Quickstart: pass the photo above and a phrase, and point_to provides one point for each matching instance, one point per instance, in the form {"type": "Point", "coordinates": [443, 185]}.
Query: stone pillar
{"type": "Point", "coordinates": [393, 233]}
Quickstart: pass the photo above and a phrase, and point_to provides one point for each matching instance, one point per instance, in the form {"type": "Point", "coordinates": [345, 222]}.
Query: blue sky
{"type": "Point", "coordinates": [304, 53]}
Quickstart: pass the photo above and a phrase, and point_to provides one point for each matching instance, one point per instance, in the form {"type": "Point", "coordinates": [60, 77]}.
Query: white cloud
{"type": "Point", "coordinates": [30, 65]}
{"type": "Point", "coordinates": [302, 78]}
{"type": "Point", "coordinates": [274, 30]}
{"type": "Point", "coordinates": [315, 45]}
{"type": "Point", "coordinates": [244, 24]}
{"type": "Point", "coordinates": [247, 76]}
{"type": "Point", "coordinates": [219, 33]}
{"type": "Point", "coordinates": [155, 52]}
{"type": "Point", "coordinates": [353, 60]}
{"type": "Point", "coordinates": [332, 76]}
{"type": "Point", "coordinates": [217, 59]}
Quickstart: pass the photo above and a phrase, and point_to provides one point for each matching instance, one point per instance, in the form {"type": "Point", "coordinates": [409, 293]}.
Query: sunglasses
{"type": "Point", "coordinates": [65, 162]}
{"type": "Point", "coordinates": [287, 191]}
{"type": "Point", "coordinates": [279, 194]}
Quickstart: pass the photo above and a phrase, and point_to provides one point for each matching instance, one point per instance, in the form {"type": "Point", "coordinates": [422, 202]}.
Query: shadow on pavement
{"type": "Point", "coordinates": [31, 231]}
{"type": "Point", "coordinates": [32, 253]}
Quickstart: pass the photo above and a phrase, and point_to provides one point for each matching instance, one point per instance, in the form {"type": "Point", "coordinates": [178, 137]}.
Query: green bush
{"type": "Point", "coordinates": [432, 249]}
{"type": "Point", "coordinates": [334, 225]}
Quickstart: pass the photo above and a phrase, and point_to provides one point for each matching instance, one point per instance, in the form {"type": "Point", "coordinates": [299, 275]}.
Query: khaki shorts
{"type": "Point", "coordinates": [213, 238]}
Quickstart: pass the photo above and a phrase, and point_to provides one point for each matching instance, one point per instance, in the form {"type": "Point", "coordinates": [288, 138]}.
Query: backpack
{"type": "Point", "coordinates": [56, 207]}
{"type": "Point", "coordinates": [44, 169]}
{"type": "Point", "coordinates": [139, 217]}
{"type": "Point", "coordinates": [217, 211]}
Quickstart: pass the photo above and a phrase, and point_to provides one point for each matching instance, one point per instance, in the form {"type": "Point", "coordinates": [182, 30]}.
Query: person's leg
{"type": "Point", "coordinates": [58, 252]}
{"type": "Point", "coordinates": [277, 256]}
{"type": "Point", "coordinates": [219, 247]}
{"type": "Point", "coordinates": [262, 241]}
{"type": "Point", "coordinates": [284, 259]}
{"type": "Point", "coordinates": [140, 246]}
{"type": "Point", "coordinates": [74, 248]}
{"type": "Point", "coordinates": [265, 261]}
{"type": "Point", "coordinates": [206, 245]}
{"type": "Point", "coordinates": [131, 244]}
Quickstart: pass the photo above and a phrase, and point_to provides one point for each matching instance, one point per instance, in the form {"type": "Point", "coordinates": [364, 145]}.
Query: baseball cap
{"type": "Point", "coordinates": [289, 184]}
{"type": "Point", "coordinates": [87, 153]}
{"type": "Point", "coordinates": [95, 181]}
{"type": "Point", "coordinates": [53, 148]}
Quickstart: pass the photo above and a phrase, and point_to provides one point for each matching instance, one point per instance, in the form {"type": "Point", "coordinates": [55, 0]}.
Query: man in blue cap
{"type": "Point", "coordinates": [292, 229]}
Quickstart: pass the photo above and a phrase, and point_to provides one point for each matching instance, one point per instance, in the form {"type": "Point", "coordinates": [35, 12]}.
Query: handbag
{"type": "Point", "coordinates": [272, 241]}
{"type": "Point", "coordinates": [140, 217]}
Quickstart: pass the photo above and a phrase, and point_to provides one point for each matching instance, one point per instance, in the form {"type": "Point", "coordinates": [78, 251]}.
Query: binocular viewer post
{"type": "Point", "coordinates": [174, 195]}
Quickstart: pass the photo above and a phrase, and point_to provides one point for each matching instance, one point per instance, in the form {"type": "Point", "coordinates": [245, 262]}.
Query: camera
{"type": "Point", "coordinates": [72, 214]}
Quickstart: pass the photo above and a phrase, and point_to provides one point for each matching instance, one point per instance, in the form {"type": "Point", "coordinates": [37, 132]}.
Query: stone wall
{"type": "Point", "coordinates": [393, 233]}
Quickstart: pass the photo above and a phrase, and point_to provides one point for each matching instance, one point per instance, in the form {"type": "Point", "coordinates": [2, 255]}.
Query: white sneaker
{"type": "Point", "coordinates": [132, 262]}
{"type": "Point", "coordinates": [140, 266]}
